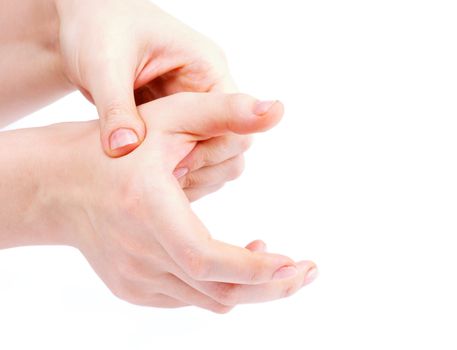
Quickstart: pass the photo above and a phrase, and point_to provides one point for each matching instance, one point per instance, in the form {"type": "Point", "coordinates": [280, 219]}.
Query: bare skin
{"type": "Point", "coordinates": [130, 217]}
{"type": "Point", "coordinates": [119, 54]}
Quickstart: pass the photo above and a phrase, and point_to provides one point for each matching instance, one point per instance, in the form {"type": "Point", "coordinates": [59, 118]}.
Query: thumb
{"type": "Point", "coordinates": [121, 127]}
{"type": "Point", "coordinates": [205, 115]}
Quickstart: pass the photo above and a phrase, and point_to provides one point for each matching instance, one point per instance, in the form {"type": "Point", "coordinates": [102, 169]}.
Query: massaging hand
{"type": "Point", "coordinates": [107, 48]}
{"type": "Point", "coordinates": [136, 227]}
{"type": "Point", "coordinates": [110, 48]}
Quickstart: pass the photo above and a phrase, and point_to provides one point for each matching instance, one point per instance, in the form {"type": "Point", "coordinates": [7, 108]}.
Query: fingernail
{"type": "Point", "coordinates": [285, 272]}
{"type": "Point", "coordinates": [263, 107]}
{"type": "Point", "coordinates": [310, 276]}
{"type": "Point", "coordinates": [122, 137]}
{"type": "Point", "coordinates": [262, 246]}
{"type": "Point", "coordinates": [180, 172]}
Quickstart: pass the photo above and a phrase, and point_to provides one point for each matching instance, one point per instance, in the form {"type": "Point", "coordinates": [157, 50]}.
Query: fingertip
{"type": "Point", "coordinates": [269, 112]}
{"type": "Point", "coordinates": [311, 271]}
{"type": "Point", "coordinates": [122, 129]}
{"type": "Point", "coordinates": [249, 115]}
{"type": "Point", "coordinates": [257, 246]}
{"type": "Point", "coordinates": [262, 107]}
{"type": "Point", "coordinates": [311, 275]}
{"type": "Point", "coordinates": [261, 115]}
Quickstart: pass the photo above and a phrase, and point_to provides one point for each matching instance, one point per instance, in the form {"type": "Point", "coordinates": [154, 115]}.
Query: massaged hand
{"type": "Point", "coordinates": [110, 48]}
{"type": "Point", "coordinates": [135, 224]}
{"type": "Point", "coordinates": [107, 48]}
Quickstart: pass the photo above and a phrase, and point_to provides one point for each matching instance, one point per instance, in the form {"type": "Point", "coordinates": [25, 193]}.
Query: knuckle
{"type": "Point", "coordinates": [254, 275]}
{"type": "Point", "coordinates": [257, 270]}
{"type": "Point", "coordinates": [288, 290]}
{"type": "Point", "coordinates": [190, 180]}
{"type": "Point", "coordinates": [205, 157]}
{"type": "Point", "coordinates": [200, 158]}
{"type": "Point", "coordinates": [195, 264]}
{"type": "Point", "coordinates": [115, 111]}
{"type": "Point", "coordinates": [184, 181]}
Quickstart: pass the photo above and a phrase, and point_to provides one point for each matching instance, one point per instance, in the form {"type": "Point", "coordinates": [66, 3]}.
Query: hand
{"type": "Point", "coordinates": [136, 227]}
{"type": "Point", "coordinates": [211, 164]}
{"type": "Point", "coordinates": [110, 48]}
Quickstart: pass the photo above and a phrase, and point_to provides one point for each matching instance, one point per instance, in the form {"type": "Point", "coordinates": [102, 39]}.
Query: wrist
{"type": "Point", "coordinates": [25, 218]}
{"type": "Point", "coordinates": [70, 158]}
{"type": "Point", "coordinates": [41, 188]}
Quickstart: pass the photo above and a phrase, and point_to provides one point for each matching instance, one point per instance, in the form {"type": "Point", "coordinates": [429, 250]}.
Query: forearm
{"type": "Point", "coordinates": [34, 187]}
{"type": "Point", "coordinates": [30, 64]}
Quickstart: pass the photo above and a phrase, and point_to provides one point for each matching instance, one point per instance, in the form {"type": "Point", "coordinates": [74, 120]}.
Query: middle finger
{"type": "Point", "coordinates": [214, 151]}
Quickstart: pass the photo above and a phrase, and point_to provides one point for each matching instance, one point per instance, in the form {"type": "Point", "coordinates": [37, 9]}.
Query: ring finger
{"type": "Point", "coordinates": [214, 175]}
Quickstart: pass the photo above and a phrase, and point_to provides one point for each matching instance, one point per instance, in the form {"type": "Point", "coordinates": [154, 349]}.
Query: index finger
{"type": "Point", "coordinates": [203, 258]}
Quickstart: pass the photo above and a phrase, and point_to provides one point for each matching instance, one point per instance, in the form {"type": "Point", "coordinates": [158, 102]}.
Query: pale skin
{"type": "Point", "coordinates": [118, 54]}
{"type": "Point", "coordinates": [130, 217]}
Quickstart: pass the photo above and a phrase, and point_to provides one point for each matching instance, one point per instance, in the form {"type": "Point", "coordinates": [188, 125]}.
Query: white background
{"type": "Point", "coordinates": [360, 177]}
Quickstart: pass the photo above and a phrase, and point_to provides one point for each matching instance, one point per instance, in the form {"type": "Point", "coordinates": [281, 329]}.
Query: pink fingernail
{"type": "Point", "coordinates": [180, 172]}
{"type": "Point", "coordinates": [310, 276]}
{"type": "Point", "coordinates": [285, 272]}
{"type": "Point", "coordinates": [262, 107]}
{"type": "Point", "coordinates": [122, 137]}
